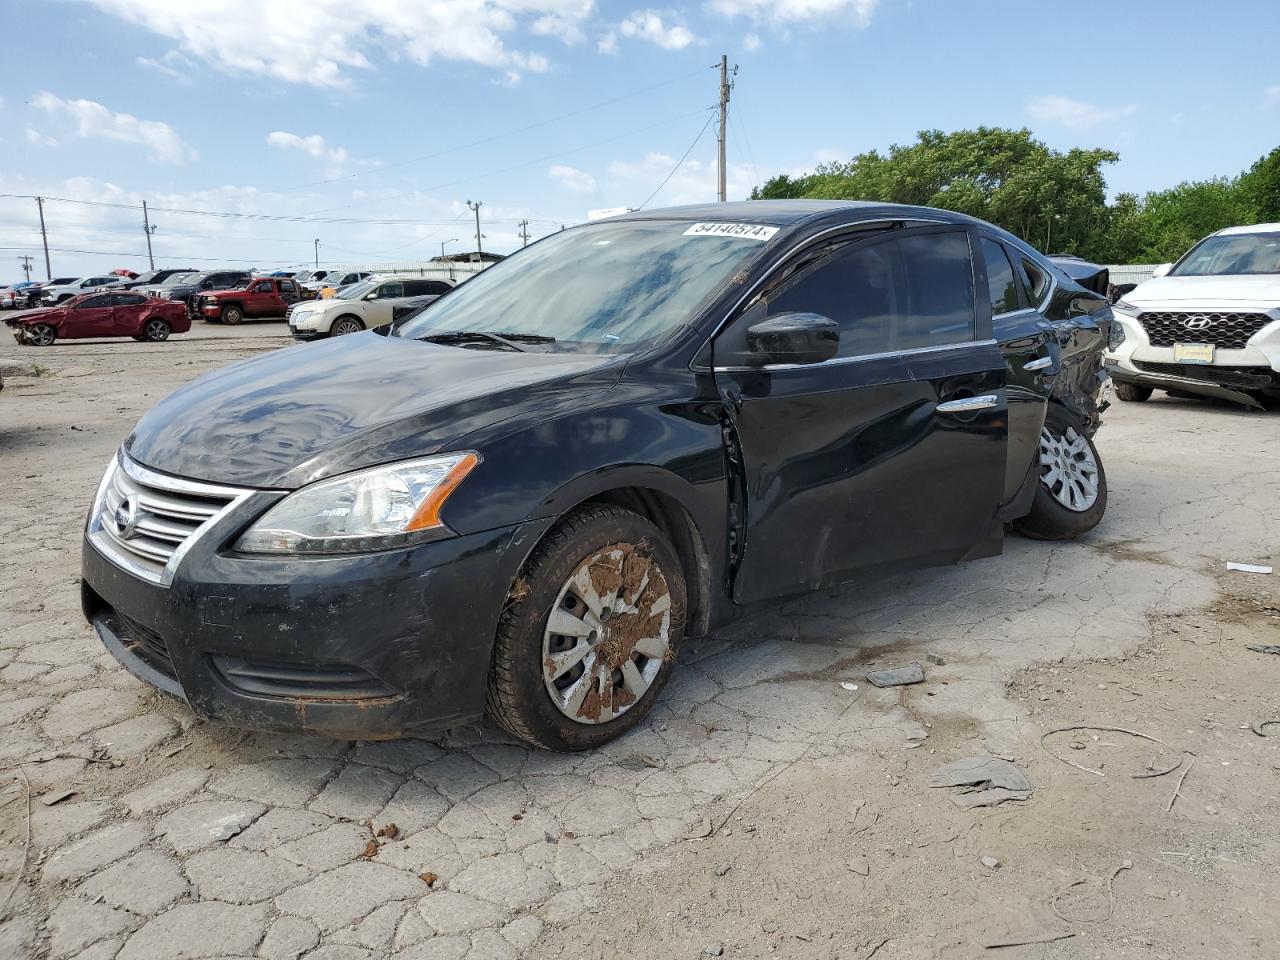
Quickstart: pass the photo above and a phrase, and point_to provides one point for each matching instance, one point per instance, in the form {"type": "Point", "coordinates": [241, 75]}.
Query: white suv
{"type": "Point", "coordinates": [1208, 325]}
{"type": "Point", "coordinates": [57, 292]}
{"type": "Point", "coordinates": [361, 306]}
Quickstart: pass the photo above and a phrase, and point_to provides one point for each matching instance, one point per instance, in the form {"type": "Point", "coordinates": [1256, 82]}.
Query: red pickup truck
{"type": "Point", "coordinates": [263, 297]}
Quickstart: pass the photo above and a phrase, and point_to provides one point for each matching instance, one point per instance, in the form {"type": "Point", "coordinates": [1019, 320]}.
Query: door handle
{"type": "Point", "coordinates": [1043, 363]}
{"type": "Point", "coordinates": [969, 404]}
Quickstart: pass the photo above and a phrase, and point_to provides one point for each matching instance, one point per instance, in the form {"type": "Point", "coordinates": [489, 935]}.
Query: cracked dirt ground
{"type": "Point", "coordinates": [185, 839]}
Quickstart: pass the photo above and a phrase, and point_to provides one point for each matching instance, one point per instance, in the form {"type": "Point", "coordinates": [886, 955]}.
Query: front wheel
{"type": "Point", "coordinates": [41, 335]}
{"type": "Point", "coordinates": [1071, 495]}
{"type": "Point", "coordinates": [232, 315]}
{"type": "Point", "coordinates": [345, 325]}
{"type": "Point", "coordinates": [156, 331]}
{"type": "Point", "coordinates": [1132, 392]}
{"type": "Point", "coordinates": [589, 633]}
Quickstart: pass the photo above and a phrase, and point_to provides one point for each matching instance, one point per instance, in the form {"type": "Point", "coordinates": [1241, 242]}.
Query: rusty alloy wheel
{"type": "Point", "coordinates": [607, 636]}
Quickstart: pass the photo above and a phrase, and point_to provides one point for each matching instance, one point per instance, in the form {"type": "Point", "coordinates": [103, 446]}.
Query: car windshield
{"type": "Point", "coordinates": [355, 291]}
{"type": "Point", "coordinates": [1232, 255]}
{"type": "Point", "coordinates": [178, 278]}
{"type": "Point", "coordinates": [604, 288]}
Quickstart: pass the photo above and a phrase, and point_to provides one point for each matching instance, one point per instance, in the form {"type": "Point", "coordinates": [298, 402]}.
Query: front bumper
{"type": "Point", "coordinates": [374, 646]}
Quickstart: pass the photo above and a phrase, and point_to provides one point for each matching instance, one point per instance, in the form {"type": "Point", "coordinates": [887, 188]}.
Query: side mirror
{"type": "Point", "coordinates": [1162, 270]}
{"type": "Point", "coordinates": [794, 338]}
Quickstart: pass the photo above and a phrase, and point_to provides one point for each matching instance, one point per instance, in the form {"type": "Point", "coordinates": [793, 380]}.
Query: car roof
{"type": "Point", "coordinates": [1252, 228]}
{"type": "Point", "coordinates": [786, 213]}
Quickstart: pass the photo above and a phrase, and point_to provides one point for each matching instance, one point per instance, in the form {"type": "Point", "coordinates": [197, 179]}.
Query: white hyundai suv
{"type": "Point", "coordinates": [360, 306]}
{"type": "Point", "coordinates": [53, 293]}
{"type": "Point", "coordinates": [1208, 325]}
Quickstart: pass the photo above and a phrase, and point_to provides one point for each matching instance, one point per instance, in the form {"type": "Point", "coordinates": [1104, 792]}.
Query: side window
{"type": "Point", "coordinates": [128, 299]}
{"type": "Point", "coordinates": [1000, 281]}
{"type": "Point", "coordinates": [90, 303]}
{"type": "Point", "coordinates": [390, 291]}
{"type": "Point", "coordinates": [437, 288]}
{"type": "Point", "coordinates": [1036, 279]}
{"type": "Point", "coordinates": [891, 294]}
{"type": "Point", "coordinates": [262, 286]}
{"type": "Point", "coordinates": [286, 286]}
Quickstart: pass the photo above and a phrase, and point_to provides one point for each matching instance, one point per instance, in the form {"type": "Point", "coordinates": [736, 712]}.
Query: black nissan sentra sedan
{"type": "Point", "coordinates": [520, 501]}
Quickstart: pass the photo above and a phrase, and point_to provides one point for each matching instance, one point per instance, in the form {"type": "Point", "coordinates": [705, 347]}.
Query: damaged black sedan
{"type": "Point", "coordinates": [521, 500]}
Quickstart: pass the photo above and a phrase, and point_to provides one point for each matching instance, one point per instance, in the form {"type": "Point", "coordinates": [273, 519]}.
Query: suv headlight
{"type": "Point", "coordinates": [375, 509]}
{"type": "Point", "coordinates": [1115, 334]}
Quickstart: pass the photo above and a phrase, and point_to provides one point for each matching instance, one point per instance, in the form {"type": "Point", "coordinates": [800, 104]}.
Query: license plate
{"type": "Point", "coordinates": [1193, 352]}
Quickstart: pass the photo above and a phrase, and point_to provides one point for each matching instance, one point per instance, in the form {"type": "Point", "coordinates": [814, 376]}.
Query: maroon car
{"type": "Point", "coordinates": [106, 314]}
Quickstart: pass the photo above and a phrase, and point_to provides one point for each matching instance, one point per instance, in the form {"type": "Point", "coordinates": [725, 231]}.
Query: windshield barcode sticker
{"type": "Point", "coordinates": [744, 231]}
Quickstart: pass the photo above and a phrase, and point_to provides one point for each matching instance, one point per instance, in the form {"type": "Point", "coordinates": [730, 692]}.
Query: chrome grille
{"type": "Point", "coordinates": [1229, 331]}
{"type": "Point", "coordinates": [145, 521]}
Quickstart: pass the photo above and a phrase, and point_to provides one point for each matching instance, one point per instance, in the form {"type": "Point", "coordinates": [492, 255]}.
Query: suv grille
{"type": "Point", "coordinates": [1229, 331]}
{"type": "Point", "coordinates": [1238, 378]}
{"type": "Point", "coordinates": [144, 521]}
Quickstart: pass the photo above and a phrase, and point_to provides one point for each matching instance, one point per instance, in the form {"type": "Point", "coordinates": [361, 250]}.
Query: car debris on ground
{"type": "Point", "coordinates": [897, 676]}
{"type": "Point", "coordinates": [1248, 567]}
{"type": "Point", "coordinates": [991, 780]}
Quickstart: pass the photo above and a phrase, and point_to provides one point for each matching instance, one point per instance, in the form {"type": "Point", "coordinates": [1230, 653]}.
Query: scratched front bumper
{"type": "Point", "coordinates": [418, 623]}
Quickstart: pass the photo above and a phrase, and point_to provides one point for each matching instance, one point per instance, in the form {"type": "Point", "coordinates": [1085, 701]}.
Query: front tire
{"type": "Point", "coordinates": [41, 335]}
{"type": "Point", "coordinates": [345, 325]}
{"type": "Point", "coordinates": [1071, 494]}
{"type": "Point", "coordinates": [232, 315]}
{"type": "Point", "coordinates": [589, 633]}
{"type": "Point", "coordinates": [156, 331]}
{"type": "Point", "coordinates": [1132, 392]}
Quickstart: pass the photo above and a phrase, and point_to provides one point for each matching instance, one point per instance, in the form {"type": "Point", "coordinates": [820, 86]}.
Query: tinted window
{"type": "Point", "coordinates": [286, 286]}
{"type": "Point", "coordinates": [1036, 279]}
{"type": "Point", "coordinates": [389, 290]}
{"type": "Point", "coordinates": [128, 299]}
{"type": "Point", "coordinates": [900, 293]}
{"type": "Point", "coordinates": [262, 286]}
{"type": "Point", "coordinates": [1004, 289]}
{"type": "Point", "coordinates": [88, 303]}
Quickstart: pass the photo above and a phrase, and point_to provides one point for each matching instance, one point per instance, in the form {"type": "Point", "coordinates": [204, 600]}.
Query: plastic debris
{"type": "Point", "coordinates": [991, 863]}
{"type": "Point", "coordinates": [848, 686]}
{"type": "Point", "coordinates": [1248, 567]}
{"type": "Point", "coordinates": [897, 676]}
{"type": "Point", "coordinates": [1273, 648]}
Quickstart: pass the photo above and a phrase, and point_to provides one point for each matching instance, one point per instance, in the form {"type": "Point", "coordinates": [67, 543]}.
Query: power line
{"type": "Point", "coordinates": [679, 163]}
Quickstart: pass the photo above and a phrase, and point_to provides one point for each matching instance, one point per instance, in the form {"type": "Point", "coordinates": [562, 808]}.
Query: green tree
{"type": "Point", "coordinates": [1261, 187]}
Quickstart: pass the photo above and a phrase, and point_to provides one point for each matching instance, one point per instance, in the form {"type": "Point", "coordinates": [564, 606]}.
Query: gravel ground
{"type": "Point", "coordinates": [762, 810]}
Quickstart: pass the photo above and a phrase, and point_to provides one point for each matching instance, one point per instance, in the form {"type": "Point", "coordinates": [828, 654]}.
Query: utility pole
{"type": "Point", "coordinates": [44, 238]}
{"type": "Point", "coordinates": [476, 207]}
{"type": "Point", "coordinates": [148, 229]}
{"type": "Point", "coordinates": [26, 265]}
{"type": "Point", "coordinates": [725, 87]}
{"type": "Point", "coordinates": [443, 242]}
{"type": "Point", "coordinates": [316, 241]}
{"type": "Point", "coordinates": [524, 233]}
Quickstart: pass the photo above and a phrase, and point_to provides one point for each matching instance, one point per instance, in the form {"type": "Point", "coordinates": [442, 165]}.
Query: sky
{"type": "Point", "coordinates": [254, 128]}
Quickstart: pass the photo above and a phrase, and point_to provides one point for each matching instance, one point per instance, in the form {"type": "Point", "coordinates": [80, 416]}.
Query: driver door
{"type": "Point", "coordinates": [94, 317]}
{"type": "Point", "coordinates": [890, 455]}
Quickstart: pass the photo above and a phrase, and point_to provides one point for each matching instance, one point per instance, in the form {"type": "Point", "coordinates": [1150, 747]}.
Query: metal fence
{"type": "Point", "coordinates": [1130, 272]}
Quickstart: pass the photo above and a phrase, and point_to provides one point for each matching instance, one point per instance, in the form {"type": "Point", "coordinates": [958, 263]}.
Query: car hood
{"type": "Point", "coordinates": [1254, 288]}
{"type": "Point", "coordinates": [306, 412]}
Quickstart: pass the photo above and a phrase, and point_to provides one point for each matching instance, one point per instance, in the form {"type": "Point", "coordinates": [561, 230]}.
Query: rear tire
{"type": "Point", "coordinates": [156, 331]}
{"type": "Point", "coordinates": [344, 326]}
{"type": "Point", "coordinates": [232, 315]}
{"type": "Point", "coordinates": [581, 686]}
{"type": "Point", "coordinates": [1132, 392]}
{"type": "Point", "coordinates": [1071, 494]}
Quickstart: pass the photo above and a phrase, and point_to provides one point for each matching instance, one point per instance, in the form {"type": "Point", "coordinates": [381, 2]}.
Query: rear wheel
{"type": "Point", "coordinates": [589, 633]}
{"type": "Point", "coordinates": [232, 315]}
{"type": "Point", "coordinates": [1132, 392]}
{"type": "Point", "coordinates": [41, 335]}
{"type": "Point", "coordinates": [345, 325]}
{"type": "Point", "coordinates": [1071, 496]}
{"type": "Point", "coordinates": [156, 330]}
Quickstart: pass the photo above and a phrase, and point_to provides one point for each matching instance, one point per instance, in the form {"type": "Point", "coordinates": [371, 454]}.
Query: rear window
{"type": "Point", "coordinates": [1000, 281]}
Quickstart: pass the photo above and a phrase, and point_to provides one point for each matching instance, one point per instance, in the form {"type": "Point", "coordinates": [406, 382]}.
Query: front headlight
{"type": "Point", "coordinates": [1115, 334]}
{"type": "Point", "coordinates": [375, 509]}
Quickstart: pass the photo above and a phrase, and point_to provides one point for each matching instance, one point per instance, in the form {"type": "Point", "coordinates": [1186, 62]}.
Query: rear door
{"type": "Point", "coordinates": [890, 455]}
{"type": "Point", "coordinates": [126, 313]}
{"type": "Point", "coordinates": [378, 310]}
{"type": "Point", "coordinates": [288, 294]}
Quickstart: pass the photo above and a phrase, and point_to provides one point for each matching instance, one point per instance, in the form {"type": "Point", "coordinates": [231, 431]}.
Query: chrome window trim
{"type": "Point", "coordinates": [106, 546]}
{"type": "Point", "coordinates": [1012, 313]}
{"type": "Point", "coordinates": [836, 361]}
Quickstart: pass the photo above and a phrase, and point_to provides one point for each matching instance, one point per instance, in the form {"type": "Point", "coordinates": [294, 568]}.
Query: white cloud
{"type": "Point", "coordinates": [172, 64]}
{"type": "Point", "coordinates": [94, 121]}
{"type": "Point", "coordinates": [650, 25]}
{"type": "Point", "coordinates": [40, 139]}
{"type": "Point", "coordinates": [608, 44]}
{"type": "Point", "coordinates": [1075, 114]}
{"type": "Point", "coordinates": [1272, 95]}
{"type": "Point", "coordinates": [752, 42]}
{"type": "Point", "coordinates": [631, 181]}
{"type": "Point", "coordinates": [571, 178]}
{"type": "Point", "coordinates": [313, 146]}
{"type": "Point", "coordinates": [798, 11]}
{"type": "Point", "coordinates": [322, 42]}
